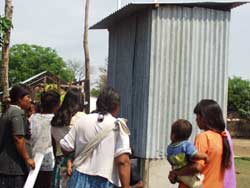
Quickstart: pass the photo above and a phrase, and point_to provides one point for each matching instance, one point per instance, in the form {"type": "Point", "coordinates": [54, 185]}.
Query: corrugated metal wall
{"type": "Point", "coordinates": [128, 72]}
{"type": "Point", "coordinates": [121, 57]}
{"type": "Point", "coordinates": [163, 61]}
{"type": "Point", "coordinates": [189, 51]}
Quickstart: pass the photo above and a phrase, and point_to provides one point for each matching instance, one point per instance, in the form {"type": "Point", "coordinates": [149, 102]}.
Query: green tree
{"type": "Point", "coordinates": [28, 60]}
{"type": "Point", "coordinates": [239, 96]}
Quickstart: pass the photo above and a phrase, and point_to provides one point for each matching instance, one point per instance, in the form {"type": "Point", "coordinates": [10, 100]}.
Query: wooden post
{"type": "Point", "coordinates": [87, 58]}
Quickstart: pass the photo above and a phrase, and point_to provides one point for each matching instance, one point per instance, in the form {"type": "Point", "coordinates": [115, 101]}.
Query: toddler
{"type": "Point", "coordinates": [181, 152]}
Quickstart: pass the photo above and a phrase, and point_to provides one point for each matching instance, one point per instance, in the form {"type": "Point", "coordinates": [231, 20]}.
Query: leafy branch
{"type": "Point", "coordinates": [5, 26]}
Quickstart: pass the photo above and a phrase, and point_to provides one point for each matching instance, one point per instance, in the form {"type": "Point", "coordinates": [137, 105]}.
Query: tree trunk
{"type": "Point", "coordinates": [87, 59]}
{"type": "Point", "coordinates": [5, 51]}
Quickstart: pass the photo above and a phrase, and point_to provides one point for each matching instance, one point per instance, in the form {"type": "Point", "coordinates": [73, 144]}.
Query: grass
{"type": "Point", "coordinates": [242, 172]}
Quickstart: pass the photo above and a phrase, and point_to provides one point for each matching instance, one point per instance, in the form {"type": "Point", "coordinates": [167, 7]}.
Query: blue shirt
{"type": "Point", "coordinates": [180, 153]}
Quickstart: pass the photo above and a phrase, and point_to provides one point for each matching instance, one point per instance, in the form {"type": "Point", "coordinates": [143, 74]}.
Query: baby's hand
{"type": "Point", "coordinates": [172, 177]}
{"type": "Point", "coordinates": [206, 160]}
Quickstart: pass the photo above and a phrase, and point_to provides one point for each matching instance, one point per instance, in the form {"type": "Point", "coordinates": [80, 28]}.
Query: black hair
{"type": "Point", "coordinates": [49, 100]}
{"type": "Point", "coordinates": [18, 92]}
{"type": "Point", "coordinates": [73, 102]}
{"type": "Point", "coordinates": [107, 102]}
{"type": "Point", "coordinates": [181, 129]}
{"type": "Point", "coordinates": [211, 112]}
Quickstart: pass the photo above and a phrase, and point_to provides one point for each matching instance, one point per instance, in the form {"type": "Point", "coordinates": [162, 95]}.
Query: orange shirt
{"type": "Point", "coordinates": [210, 142]}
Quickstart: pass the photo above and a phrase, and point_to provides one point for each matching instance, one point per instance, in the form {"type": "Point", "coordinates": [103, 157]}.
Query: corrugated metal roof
{"type": "Point", "coordinates": [33, 77]}
{"type": "Point", "coordinates": [137, 6]}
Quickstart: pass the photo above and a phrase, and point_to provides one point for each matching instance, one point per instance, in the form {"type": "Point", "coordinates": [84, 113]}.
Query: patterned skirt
{"type": "Point", "coordinates": [60, 177]}
{"type": "Point", "coordinates": [80, 180]}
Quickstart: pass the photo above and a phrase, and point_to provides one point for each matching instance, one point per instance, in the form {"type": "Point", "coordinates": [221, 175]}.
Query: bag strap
{"type": "Point", "coordinates": [120, 123]}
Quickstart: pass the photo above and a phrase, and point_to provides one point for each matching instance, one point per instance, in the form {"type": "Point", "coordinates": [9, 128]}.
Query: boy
{"type": "Point", "coordinates": [181, 152]}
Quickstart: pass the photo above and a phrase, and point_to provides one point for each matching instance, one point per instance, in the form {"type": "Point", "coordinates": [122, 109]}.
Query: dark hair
{"type": "Point", "coordinates": [211, 112]}
{"type": "Point", "coordinates": [73, 102]}
{"type": "Point", "coordinates": [18, 92]}
{"type": "Point", "coordinates": [107, 102]}
{"type": "Point", "coordinates": [49, 100]}
{"type": "Point", "coordinates": [181, 129]}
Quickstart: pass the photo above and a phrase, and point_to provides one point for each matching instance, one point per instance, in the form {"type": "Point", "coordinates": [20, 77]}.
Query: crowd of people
{"type": "Point", "coordinates": [93, 150]}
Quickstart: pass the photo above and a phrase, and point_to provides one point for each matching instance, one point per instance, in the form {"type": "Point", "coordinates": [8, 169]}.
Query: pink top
{"type": "Point", "coordinates": [229, 177]}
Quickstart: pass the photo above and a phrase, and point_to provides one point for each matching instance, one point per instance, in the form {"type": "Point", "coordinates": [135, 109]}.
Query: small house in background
{"type": "Point", "coordinates": [45, 81]}
{"type": "Point", "coordinates": [163, 59]}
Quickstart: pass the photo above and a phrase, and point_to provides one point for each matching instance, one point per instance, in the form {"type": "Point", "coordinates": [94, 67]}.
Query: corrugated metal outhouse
{"type": "Point", "coordinates": [163, 59]}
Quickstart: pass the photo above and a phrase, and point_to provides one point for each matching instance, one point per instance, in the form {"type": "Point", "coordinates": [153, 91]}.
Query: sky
{"type": "Point", "coordinates": [59, 24]}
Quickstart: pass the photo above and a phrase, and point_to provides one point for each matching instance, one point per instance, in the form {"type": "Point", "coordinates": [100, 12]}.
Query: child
{"type": "Point", "coordinates": [41, 136]}
{"type": "Point", "coordinates": [181, 152]}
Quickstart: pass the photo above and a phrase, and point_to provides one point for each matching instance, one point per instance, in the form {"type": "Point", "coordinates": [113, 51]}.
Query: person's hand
{"type": "Point", "coordinates": [69, 171]}
{"type": "Point", "coordinates": [31, 163]}
{"type": "Point", "coordinates": [69, 167]}
{"type": "Point", "coordinates": [172, 177]}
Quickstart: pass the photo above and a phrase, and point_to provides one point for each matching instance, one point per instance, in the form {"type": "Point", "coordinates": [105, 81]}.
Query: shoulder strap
{"type": "Point", "coordinates": [90, 147]}
{"type": "Point", "coordinates": [120, 125]}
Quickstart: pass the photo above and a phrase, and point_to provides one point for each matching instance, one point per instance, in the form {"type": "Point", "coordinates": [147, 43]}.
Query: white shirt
{"type": "Point", "coordinates": [41, 139]}
{"type": "Point", "coordinates": [101, 162]}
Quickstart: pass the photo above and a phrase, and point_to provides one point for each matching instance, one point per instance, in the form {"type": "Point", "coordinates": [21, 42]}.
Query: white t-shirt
{"type": "Point", "coordinates": [41, 139]}
{"type": "Point", "coordinates": [101, 162]}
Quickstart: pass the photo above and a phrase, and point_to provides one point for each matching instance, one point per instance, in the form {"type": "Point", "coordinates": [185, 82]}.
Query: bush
{"type": "Point", "coordinates": [239, 97]}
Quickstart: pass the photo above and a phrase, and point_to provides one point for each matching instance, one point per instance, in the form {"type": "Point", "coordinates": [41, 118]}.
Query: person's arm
{"type": "Point", "coordinates": [68, 142]}
{"type": "Point", "coordinates": [123, 164]}
{"type": "Point", "coordinates": [138, 185]}
{"type": "Point", "coordinates": [188, 170]}
{"type": "Point", "coordinates": [21, 148]}
{"type": "Point", "coordinates": [53, 145]}
{"type": "Point", "coordinates": [18, 126]}
{"type": "Point", "coordinates": [200, 156]}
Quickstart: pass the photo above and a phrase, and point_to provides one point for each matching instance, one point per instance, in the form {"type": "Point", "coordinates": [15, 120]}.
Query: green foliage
{"type": "Point", "coordinates": [28, 60]}
{"type": "Point", "coordinates": [95, 92]}
{"type": "Point", "coordinates": [5, 25]}
{"type": "Point", "coordinates": [239, 96]}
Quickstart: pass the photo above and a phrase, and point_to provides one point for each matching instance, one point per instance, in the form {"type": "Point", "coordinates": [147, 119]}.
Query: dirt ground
{"type": "Point", "coordinates": [241, 147]}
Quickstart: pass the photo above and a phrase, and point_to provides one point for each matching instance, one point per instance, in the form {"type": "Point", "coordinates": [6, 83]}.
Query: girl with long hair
{"type": "Point", "coordinates": [65, 118]}
{"type": "Point", "coordinates": [214, 141]}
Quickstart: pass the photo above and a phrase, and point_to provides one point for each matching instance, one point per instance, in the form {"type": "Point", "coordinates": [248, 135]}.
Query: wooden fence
{"type": "Point", "coordinates": [239, 128]}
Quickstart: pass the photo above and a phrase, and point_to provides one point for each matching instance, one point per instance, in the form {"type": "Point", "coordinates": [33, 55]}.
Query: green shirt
{"type": "Point", "coordinates": [13, 123]}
